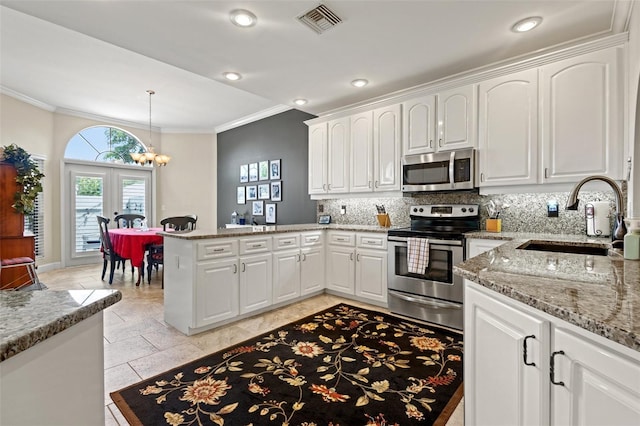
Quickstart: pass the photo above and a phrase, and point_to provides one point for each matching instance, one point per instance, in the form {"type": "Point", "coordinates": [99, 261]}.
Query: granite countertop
{"type": "Point", "coordinates": [29, 317]}
{"type": "Point", "coordinates": [199, 234]}
{"type": "Point", "coordinates": [598, 293]}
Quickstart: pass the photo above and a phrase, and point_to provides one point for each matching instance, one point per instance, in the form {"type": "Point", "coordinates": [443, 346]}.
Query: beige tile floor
{"type": "Point", "coordinates": [139, 344]}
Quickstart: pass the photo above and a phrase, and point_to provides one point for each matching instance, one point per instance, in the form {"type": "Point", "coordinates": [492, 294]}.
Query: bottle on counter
{"type": "Point", "coordinates": [632, 239]}
{"type": "Point", "coordinates": [234, 217]}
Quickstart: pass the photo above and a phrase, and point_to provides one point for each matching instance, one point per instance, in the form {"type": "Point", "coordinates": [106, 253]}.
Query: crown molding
{"type": "Point", "coordinates": [252, 117]}
{"type": "Point", "coordinates": [26, 99]}
{"type": "Point", "coordinates": [106, 120]}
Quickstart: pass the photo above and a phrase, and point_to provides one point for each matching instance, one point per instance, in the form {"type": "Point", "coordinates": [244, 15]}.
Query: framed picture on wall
{"type": "Point", "coordinates": [276, 191]}
{"type": "Point", "coordinates": [240, 195]}
{"type": "Point", "coordinates": [274, 169]}
{"type": "Point", "coordinates": [263, 191]}
{"type": "Point", "coordinates": [253, 172]}
{"type": "Point", "coordinates": [264, 170]}
{"type": "Point", "coordinates": [244, 173]}
{"type": "Point", "coordinates": [270, 212]}
{"type": "Point", "coordinates": [258, 208]}
{"type": "Point", "coordinates": [252, 192]}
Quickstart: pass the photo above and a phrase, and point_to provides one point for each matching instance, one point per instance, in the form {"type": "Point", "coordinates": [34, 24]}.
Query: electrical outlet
{"type": "Point", "coordinates": [320, 208]}
{"type": "Point", "coordinates": [343, 209]}
{"type": "Point", "coordinates": [552, 208]}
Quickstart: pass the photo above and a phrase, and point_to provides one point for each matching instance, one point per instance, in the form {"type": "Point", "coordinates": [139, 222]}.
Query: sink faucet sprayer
{"type": "Point", "coordinates": [619, 229]}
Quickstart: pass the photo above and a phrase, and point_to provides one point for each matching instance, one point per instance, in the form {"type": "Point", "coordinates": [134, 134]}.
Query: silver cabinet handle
{"type": "Point", "coordinates": [218, 250]}
{"type": "Point", "coordinates": [351, 256]}
{"type": "Point", "coordinates": [524, 350]}
{"type": "Point", "coordinates": [286, 242]}
{"type": "Point", "coordinates": [430, 143]}
{"type": "Point", "coordinates": [369, 185]}
{"type": "Point", "coordinates": [299, 258]}
{"type": "Point", "coordinates": [481, 177]}
{"type": "Point", "coordinates": [358, 257]}
{"type": "Point", "coordinates": [377, 184]}
{"type": "Point", "coordinates": [258, 245]}
{"type": "Point", "coordinates": [329, 186]}
{"type": "Point", "coordinates": [552, 368]}
{"type": "Point", "coordinates": [244, 267]}
{"type": "Point", "coordinates": [324, 186]}
{"type": "Point", "coordinates": [341, 239]}
{"type": "Point", "coordinates": [546, 172]}
{"type": "Point", "coordinates": [304, 257]}
{"type": "Point", "coordinates": [440, 142]}
{"type": "Point", "coordinates": [628, 169]}
{"type": "Point", "coordinates": [235, 268]}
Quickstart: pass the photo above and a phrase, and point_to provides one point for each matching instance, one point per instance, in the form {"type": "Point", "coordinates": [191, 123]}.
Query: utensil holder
{"type": "Point", "coordinates": [383, 220]}
{"type": "Point", "coordinates": [493, 225]}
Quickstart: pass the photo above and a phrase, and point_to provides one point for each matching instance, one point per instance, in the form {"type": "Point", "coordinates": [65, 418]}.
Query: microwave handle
{"type": "Point", "coordinates": [452, 162]}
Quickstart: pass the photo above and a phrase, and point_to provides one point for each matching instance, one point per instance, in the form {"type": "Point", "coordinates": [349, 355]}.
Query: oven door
{"type": "Point", "coordinates": [438, 280]}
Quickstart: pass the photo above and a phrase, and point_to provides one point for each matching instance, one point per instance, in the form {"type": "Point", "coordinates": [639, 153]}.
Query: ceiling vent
{"type": "Point", "coordinates": [320, 19]}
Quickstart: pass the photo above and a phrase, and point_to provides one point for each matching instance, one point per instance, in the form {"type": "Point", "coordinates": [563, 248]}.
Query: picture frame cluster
{"type": "Point", "coordinates": [267, 187]}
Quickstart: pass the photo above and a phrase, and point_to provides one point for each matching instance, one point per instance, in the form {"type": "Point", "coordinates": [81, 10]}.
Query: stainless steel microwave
{"type": "Point", "coordinates": [439, 171]}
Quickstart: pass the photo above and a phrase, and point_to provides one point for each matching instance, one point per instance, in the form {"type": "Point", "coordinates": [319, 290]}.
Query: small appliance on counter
{"type": "Point", "coordinates": [598, 219]}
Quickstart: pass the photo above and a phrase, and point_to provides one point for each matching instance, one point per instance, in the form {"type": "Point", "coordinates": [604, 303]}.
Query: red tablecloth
{"type": "Point", "coordinates": [130, 243]}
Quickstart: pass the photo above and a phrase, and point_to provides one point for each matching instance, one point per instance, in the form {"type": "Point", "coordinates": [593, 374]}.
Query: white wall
{"type": "Point", "coordinates": [186, 185]}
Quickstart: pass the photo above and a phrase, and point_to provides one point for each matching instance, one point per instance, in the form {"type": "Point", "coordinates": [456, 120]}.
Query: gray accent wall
{"type": "Point", "coordinates": [283, 136]}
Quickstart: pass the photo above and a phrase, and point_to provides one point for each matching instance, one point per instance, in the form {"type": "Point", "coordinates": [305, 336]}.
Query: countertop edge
{"type": "Point", "coordinates": [13, 345]}
{"type": "Point", "coordinates": [270, 229]}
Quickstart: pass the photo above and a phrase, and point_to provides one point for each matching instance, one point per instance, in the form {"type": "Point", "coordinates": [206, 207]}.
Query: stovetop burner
{"type": "Point", "coordinates": [442, 221]}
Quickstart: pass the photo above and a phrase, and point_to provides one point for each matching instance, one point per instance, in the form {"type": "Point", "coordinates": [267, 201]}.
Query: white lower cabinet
{"type": "Point", "coordinates": [216, 291]}
{"type": "Point", "coordinates": [525, 367]}
{"type": "Point", "coordinates": [357, 265]}
{"type": "Point", "coordinates": [298, 271]}
{"type": "Point", "coordinates": [255, 282]}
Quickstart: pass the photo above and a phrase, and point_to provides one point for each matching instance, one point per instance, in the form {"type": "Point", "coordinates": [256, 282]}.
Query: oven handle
{"type": "Point", "coordinates": [431, 241]}
{"type": "Point", "coordinates": [425, 300]}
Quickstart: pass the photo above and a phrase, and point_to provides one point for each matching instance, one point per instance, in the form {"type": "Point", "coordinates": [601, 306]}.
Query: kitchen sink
{"type": "Point", "coordinates": [562, 247]}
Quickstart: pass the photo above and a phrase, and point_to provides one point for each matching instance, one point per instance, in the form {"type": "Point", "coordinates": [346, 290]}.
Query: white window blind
{"type": "Point", "coordinates": [35, 222]}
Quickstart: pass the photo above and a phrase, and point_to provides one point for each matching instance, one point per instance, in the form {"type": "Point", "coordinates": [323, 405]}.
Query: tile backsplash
{"type": "Point", "coordinates": [524, 212]}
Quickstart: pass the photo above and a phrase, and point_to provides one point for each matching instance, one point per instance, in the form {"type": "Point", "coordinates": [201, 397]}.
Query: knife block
{"type": "Point", "coordinates": [494, 225]}
{"type": "Point", "coordinates": [383, 220]}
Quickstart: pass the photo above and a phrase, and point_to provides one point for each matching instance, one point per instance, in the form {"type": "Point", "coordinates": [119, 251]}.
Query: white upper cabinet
{"type": "Point", "coordinates": [362, 152]}
{"type": "Point", "coordinates": [318, 158]}
{"type": "Point", "coordinates": [582, 117]}
{"type": "Point", "coordinates": [508, 129]}
{"type": "Point", "coordinates": [457, 118]}
{"type": "Point", "coordinates": [329, 157]}
{"type": "Point", "coordinates": [386, 144]}
{"type": "Point", "coordinates": [419, 130]}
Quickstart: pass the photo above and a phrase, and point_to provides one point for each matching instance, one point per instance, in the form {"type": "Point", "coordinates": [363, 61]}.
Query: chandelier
{"type": "Point", "coordinates": [149, 156]}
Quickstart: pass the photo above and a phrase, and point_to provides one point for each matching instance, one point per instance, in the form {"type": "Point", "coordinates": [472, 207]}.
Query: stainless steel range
{"type": "Point", "coordinates": [435, 294]}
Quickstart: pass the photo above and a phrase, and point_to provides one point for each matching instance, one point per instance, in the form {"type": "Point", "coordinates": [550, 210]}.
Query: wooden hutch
{"type": "Point", "coordinates": [13, 240]}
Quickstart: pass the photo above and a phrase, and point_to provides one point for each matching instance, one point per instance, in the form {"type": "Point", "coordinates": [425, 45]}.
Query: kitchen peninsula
{"type": "Point", "coordinates": [551, 336]}
{"type": "Point", "coordinates": [52, 356]}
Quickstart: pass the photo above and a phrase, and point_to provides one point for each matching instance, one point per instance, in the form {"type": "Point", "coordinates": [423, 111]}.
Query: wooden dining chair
{"type": "Point", "coordinates": [128, 220]}
{"type": "Point", "coordinates": [155, 253]}
{"type": "Point", "coordinates": [108, 254]}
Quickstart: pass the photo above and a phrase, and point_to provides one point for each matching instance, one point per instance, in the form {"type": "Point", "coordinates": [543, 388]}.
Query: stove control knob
{"type": "Point", "coordinates": [421, 209]}
{"type": "Point", "coordinates": [464, 209]}
{"type": "Point", "coordinates": [415, 210]}
{"type": "Point", "coordinates": [470, 209]}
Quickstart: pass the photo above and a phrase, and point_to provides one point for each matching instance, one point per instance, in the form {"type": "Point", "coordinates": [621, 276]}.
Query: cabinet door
{"type": "Point", "coordinates": [582, 117]}
{"type": "Point", "coordinates": [286, 275]}
{"type": "Point", "coordinates": [508, 130]}
{"type": "Point", "coordinates": [361, 152]}
{"type": "Point", "coordinates": [371, 274]}
{"type": "Point", "coordinates": [601, 386]}
{"type": "Point", "coordinates": [499, 388]}
{"type": "Point", "coordinates": [338, 155]}
{"type": "Point", "coordinates": [419, 125]}
{"type": "Point", "coordinates": [386, 143]}
{"type": "Point", "coordinates": [312, 271]}
{"type": "Point", "coordinates": [340, 269]}
{"type": "Point", "coordinates": [456, 118]}
{"type": "Point", "coordinates": [216, 292]}
{"type": "Point", "coordinates": [318, 158]}
{"type": "Point", "coordinates": [255, 282]}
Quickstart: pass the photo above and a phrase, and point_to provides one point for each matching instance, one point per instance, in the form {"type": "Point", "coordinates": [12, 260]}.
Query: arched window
{"type": "Point", "coordinates": [104, 144]}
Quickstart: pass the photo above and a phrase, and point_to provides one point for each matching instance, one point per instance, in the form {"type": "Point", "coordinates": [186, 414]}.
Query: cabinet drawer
{"type": "Point", "coordinates": [286, 241]}
{"type": "Point", "coordinates": [216, 249]}
{"type": "Point", "coordinates": [342, 238]}
{"type": "Point", "coordinates": [374, 241]}
{"type": "Point", "coordinates": [310, 239]}
{"type": "Point", "coordinates": [255, 245]}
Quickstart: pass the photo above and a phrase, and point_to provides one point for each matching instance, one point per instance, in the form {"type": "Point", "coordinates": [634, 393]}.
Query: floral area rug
{"type": "Point", "coordinates": [341, 367]}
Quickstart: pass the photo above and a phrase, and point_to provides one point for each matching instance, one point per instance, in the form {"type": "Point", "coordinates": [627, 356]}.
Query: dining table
{"type": "Point", "coordinates": [131, 243]}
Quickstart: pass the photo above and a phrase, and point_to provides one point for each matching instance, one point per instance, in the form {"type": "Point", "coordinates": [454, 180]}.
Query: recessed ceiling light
{"type": "Point", "coordinates": [300, 101]}
{"type": "Point", "coordinates": [526, 24]}
{"type": "Point", "coordinates": [243, 18]}
{"type": "Point", "coordinates": [233, 76]}
{"type": "Point", "coordinates": [359, 82]}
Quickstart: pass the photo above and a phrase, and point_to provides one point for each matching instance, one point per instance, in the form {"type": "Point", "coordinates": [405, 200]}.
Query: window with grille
{"type": "Point", "coordinates": [35, 222]}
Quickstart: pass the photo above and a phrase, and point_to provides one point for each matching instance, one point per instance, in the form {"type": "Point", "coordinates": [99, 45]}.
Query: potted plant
{"type": "Point", "coordinates": [28, 177]}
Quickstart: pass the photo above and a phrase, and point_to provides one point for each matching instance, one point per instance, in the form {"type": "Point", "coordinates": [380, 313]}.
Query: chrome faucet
{"type": "Point", "coordinates": [619, 229]}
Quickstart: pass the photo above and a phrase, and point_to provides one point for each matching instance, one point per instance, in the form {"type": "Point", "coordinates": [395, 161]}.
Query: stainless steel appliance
{"type": "Point", "coordinates": [436, 295]}
{"type": "Point", "coordinates": [441, 171]}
